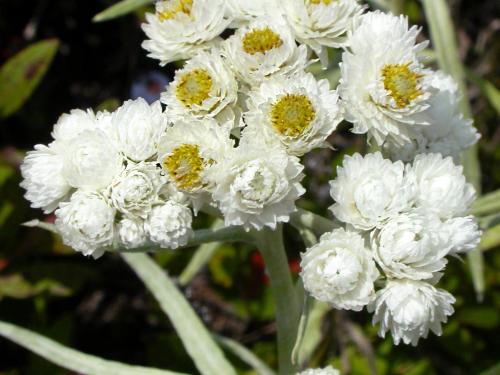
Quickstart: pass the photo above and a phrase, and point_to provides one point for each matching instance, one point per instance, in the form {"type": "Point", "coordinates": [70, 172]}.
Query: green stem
{"type": "Point", "coordinates": [287, 305]}
{"type": "Point", "coordinates": [303, 219]}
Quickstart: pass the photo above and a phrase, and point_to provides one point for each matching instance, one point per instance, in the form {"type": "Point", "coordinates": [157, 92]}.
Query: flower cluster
{"type": "Point", "coordinates": [237, 117]}
{"type": "Point", "coordinates": [405, 219]}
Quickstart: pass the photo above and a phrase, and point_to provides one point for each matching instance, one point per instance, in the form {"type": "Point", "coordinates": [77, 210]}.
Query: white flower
{"type": "Point", "coordinates": [70, 125]}
{"type": "Point", "coordinates": [409, 309]}
{"type": "Point", "coordinates": [383, 84]}
{"type": "Point", "coordinates": [91, 160]}
{"type": "Point", "coordinates": [263, 48]}
{"type": "Point", "coordinates": [205, 86]}
{"type": "Point", "coordinates": [42, 178]}
{"type": "Point", "coordinates": [86, 223]}
{"type": "Point", "coordinates": [441, 186]}
{"type": "Point", "coordinates": [169, 225]}
{"type": "Point", "coordinates": [188, 150]}
{"type": "Point", "coordinates": [369, 190]}
{"type": "Point", "coordinates": [448, 132]}
{"type": "Point", "coordinates": [320, 371]}
{"type": "Point", "coordinates": [340, 270]}
{"type": "Point", "coordinates": [134, 191]}
{"type": "Point", "coordinates": [137, 127]}
{"type": "Point", "coordinates": [297, 111]}
{"type": "Point", "coordinates": [131, 233]}
{"type": "Point", "coordinates": [465, 234]}
{"type": "Point", "coordinates": [322, 23]}
{"type": "Point", "coordinates": [256, 186]}
{"type": "Point", "coordinates": [412, 246]}
{"type": "Point", "coordinates": [181, 28]}
{"type": "Point", "coordinates": [244, 11]}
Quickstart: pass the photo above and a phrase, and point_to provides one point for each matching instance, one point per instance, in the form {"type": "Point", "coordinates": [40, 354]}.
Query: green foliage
{"type": "Point", "coordinates": [120, 9]}
{"type": "Point", "coordinates": [22, 73]}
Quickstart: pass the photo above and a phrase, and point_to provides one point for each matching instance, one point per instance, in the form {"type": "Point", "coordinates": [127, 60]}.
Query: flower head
{"type": "Point", "coordinates": [181, 28]}
{"type": "Point", "coordinates": [131, 233]}
{"type": "Point", "coordinates": [256, 186]}
{"type": "Point", "coordinates": [409, 309]}
{"type": "Point", "coordinates": [243, 11]}
{"type": "Point", "coordinates": [369, 190]}
{"type": "Point", "coordinates": [465, 234]}
{"type": "Point", "coordinates": [86, 223]}
{"type": "Point", "coordinates": [340, 270]}
{"type": "Point", "coordinates": [297, 111]}
{"type": "Point", "coordinates": [320, 371]}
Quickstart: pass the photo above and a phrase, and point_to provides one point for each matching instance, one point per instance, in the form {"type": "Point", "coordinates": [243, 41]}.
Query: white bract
{"type": "Point", "coordinates": [70, 125]}
{"type": "Point", "coordinates": [409, 309]}
{"type": "Point", "coordinates": [383, 84]}
{"type": "Point", "coordinates": [244, 11]}
{"type": "Point", "coordinates": [181, 28]}
{"type": "Point", "coordinates": [297, 111]}
{"type": "Point", "coordinates": [86, 223]}
{"type": "Point", "coordinates": [322, 23]}
{"type": "Point", "coordinates": [91, 160]}
{"type": "Point", "coordinates": [411, 246]}
{"type": "Point", "coordinates": [264, 48]}
{"type": "Point", "coordinates": [441, 186]}
{"type": "Point", "coordinates": [320, 371]}
{"type": "Point", "coordinates": [369, 190]}
{"type": "Point", "coordinates": [465, 234]}
{"type": "Point", "coordinates": [43, 180]}
{"type": "Point", "coordinates": [134, 191]}
{"type": "Point", "coordinates": [256, 186]}
{"type": "Point", "coordinates": [448, 132]}
{"type": "Point", "coordinates": [131, 233]}
{"type": "Point", "coordinates": [204, 87]}
{"type": "Point", "coordinates": [169, 225]}
{"type": "Point", "coordinates": [137, 127]}
{"type": "Point", "coordinates": [339, 270]}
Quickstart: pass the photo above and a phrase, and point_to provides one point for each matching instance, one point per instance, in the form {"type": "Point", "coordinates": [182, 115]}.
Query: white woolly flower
{"type": "Point", "coordinates": [369, 190]}
{"type": "Point", "coordinates": [181, 28]}
{"type": "Point", "coordinates": [188, 150]}
{"type": "Point", "coordinates": [136, 189]}
{"type": "Point", "coordinates": [91, 160]}
{"type": "Point", "coordinates": [441, 186]}
{"type": "Point", "coordinates": [43, 179]}
{"type": "Point", "coordinates": [131, 233]}
{"type": "Point", "coordinates": [86, 223]}
{"type": "Point", "coordinates": [169, 225]}
{"type": "Point", "coordinates": [137, 127]}
{"type": "Point", "coordinates": [409, 309]}
{"type": "Point", "coordinates": [204, 87]}
{"type": "Point", "coordinates": [383, 84]}
{"type": "Point", "coordinates": [70, 125]}
{"type": "Point", "coordinates": [244, 11]}
{"type": "Point", "coordinates": [263, 48]}
{"type": "Point", "coordinates": [412, 246]}
{"type": "Point", "coordinates": [339, 270]}
{"type": "Point", "coordinates": [297, 111]}
{"type": "Point", "coordinates": [256, 186]}
{"type": "Point", "coordinates": [320, 371]}
{"type": "Point", "coordinates": [448, 132]}
{"type": "Point", "coordinates": [322, 23]}
{"type": "Point", "coordinates": [464, 233]}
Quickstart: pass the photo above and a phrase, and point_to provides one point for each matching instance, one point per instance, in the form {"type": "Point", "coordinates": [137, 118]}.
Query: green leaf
{"type": "Point", "coordinates": [480, 317]}
{"type": "Point", "coordinates": [313, 331]}
{"type": "Point", "coordinates": [444, 40]}
{"type": "Point", "coordinates": [21, 74]}
{"type": "Point", "coordinates": [487, 88]}
{"type": "Point", "coordinates": [119, 9]}
{"type": "Point", "coordinates": [207, 356]}
{"type": "Point", "coordinates": [16, 286]}
{"type": "Point", "coordinates": [489, 203]}
{"type": "Point", "coordinates": [495, 370]}
{"type": "Point", "coordinates": [490, 238]}
{"type": "Point", "coordinates": [245, 355]}
{"type": "Point", "coordinates": [71, 359]}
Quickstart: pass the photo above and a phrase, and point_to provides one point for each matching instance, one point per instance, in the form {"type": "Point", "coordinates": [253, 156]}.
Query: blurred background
{"type": "Point", "coordinates": [60, 60]}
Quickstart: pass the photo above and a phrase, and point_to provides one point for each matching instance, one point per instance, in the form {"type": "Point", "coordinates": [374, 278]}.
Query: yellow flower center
{"type": "Point", "coordinates": [317, 2]}
{"type": "Point", "coordinates": [292, 114]}
{"type": "Point", "coordinates": [194, 87]}
{"type": "Point", "coordinates": [261, 41]}
{"type": "Point", "coordinates": [184, 166]}
{"type": "Point", "coordinates": [170, 9]}
{"type": "Point", "coordinates": [401, 83]}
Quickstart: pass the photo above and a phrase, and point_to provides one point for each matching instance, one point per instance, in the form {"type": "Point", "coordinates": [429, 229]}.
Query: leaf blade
{"type": "Point", "coordinates": [119, 9]}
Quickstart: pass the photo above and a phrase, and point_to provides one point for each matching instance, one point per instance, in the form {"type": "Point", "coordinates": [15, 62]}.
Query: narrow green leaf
{"type": "Point", "coordinates": [495, 370]}
{"type": "Point", "coordinates": [303, 219]}
{"type": "Point", "coordinates": [489, 203]}
{"type": "Point", "coordinates": [21, 74]}
{"type": "Point", "coordinates": [444, 40]}
{"type": "Point", "coordinates": [313, 331]}
{"type": "Point", "coordinates": [490, 238]}
{"type": "Point", "coordinates": [302, 329]}
{"type": "Point", "coordinates": [119, 9]}
{"type": "Point", "coordinates": [71, 359]}
{"type": "Point", "coordinates": [487, 88]}
{"type": "Point", "coordinates": [245, 355]}
{"type": "Point", "coordinates": [207, 356]}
